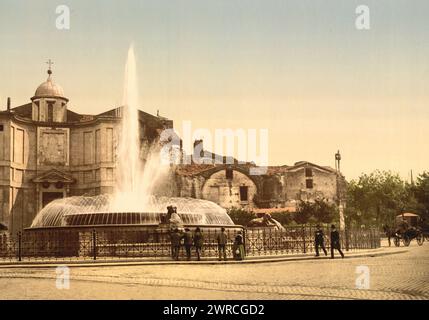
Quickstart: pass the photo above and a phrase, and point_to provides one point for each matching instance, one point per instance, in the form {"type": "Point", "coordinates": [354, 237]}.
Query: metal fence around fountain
{"type": "Point", "coordinates": [84, 244]}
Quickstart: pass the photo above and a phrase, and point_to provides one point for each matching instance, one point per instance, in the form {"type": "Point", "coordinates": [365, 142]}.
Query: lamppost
{"type": "Point", "coordinates": [337, 161]}
{"type": "Point", "coordinates": [339, 193]}
{"type": "Point", "coordinates": [340, 197]}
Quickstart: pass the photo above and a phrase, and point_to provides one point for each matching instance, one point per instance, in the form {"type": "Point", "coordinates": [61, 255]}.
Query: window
{"type": "Point", "coordinates": [309, 183]}
{"type": "Point", "coordinates": [244, 190]}
{"type": "Point", "coordinates": [50, 111]}
{"type": "Point", "coordinates": [308, 172]}
{"type": "Point", "coordinates": [229, 173]}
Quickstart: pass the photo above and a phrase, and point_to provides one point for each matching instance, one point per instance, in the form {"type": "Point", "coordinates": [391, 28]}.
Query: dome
{"type": "Point", "coordinates": [49, 89]}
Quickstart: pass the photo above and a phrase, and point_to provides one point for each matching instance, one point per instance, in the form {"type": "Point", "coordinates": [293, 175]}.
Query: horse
{"type": "Point", "coordinates": [390, 233]}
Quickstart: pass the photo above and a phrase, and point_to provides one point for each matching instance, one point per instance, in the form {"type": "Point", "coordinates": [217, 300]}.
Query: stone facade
{"type": "Point", "coordinates": [48, 151]}
{"type": "Point", "coordinates": [281, 187]}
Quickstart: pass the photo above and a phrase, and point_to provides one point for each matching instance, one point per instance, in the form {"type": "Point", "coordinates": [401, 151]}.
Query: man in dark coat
{"type": "Point", "coordinates": [198, 242]}
{"type": "Point", "coordinates": [187, 241]}
{"type": "Point", "coordinates": [175, 239]}
{"type": "Point", "coordinates": [335, 242]}
{"type": "Point", "coordinates": [222, 240]}
{"type": "Point", "coordinates": [319, 240]}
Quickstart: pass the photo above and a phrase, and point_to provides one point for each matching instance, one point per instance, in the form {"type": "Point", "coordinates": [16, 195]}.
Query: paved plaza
{"type": "Point", "coordinates": [402, 275]}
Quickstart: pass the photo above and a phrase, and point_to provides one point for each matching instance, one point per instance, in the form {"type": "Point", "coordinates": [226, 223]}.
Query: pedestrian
{"type": "Point", "coordinates": [187, 241]}
{"type": "Point", "coordinates": [198, 242]}
{"type": "Point", "coordinates": [165, 218]}
{"type": "Point", "coordinates": [222, 240]}
{"type": "Point", "coordinates": [238, 247]}
{"type": "Point", "coordinates": [335, 242]}
{"type": "Point", "coordinates": [175, 239]}
{"type": "Point", "coordinates": [319, 240]}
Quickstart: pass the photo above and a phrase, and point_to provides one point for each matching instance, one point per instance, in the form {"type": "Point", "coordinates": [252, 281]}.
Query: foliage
{"type": "Point", "coordinates": [304, 211]}
{"type": "Point", "coordinates": [240, 216]}
{"type": "Point", "coordinates": [421, 193]}
{"type": "Point", "coordinates": [325, 212]}
{"type": "Point", "coordinates": [319, 211]}
{"type": "Point", "coordinates": [375, 199]}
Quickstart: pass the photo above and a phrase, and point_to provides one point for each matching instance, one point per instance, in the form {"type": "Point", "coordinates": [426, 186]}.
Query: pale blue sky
{"type": "Point", "coordinates": [298, 68]}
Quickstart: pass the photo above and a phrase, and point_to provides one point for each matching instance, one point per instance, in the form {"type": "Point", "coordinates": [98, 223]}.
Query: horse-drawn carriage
{"type": "Point", "coordinates": [408, 235]}
{"type": "Point", "coordinates": [407, 229]}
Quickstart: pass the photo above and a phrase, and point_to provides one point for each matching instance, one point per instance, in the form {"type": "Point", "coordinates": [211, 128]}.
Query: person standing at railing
{"type": "Point", "coordinates": [222, 240]}
{"type": "Point", "coordinates": [175, 239]}
{"type": "Point", "coordinates": [335, 242]}
{"type": "Point", "coordinates": [198, 242]}
{"type": "Point", "coordinates": [187, 241]}
{"type": "Point", "coordinates": [319, 241]}
{"type": "Point", "coordinates": [238, 247]}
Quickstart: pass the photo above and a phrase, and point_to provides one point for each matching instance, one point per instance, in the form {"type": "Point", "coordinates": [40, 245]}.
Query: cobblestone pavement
{"type": "Point", "coordinates": [400, 276]}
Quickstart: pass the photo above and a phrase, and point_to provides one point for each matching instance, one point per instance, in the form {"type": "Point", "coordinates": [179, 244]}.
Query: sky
{"type": "Point", "coordinates": [300, 69]}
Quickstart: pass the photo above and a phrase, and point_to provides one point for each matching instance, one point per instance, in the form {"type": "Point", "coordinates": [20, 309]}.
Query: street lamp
{"type": "Point", "coordinates": [339, 194]}
{"type": "Point", "coordinates": [337, 161]}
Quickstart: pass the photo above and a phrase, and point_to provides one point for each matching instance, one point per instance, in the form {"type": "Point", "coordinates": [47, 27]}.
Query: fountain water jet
{"type": "Point", "coordinates": [135, 181]}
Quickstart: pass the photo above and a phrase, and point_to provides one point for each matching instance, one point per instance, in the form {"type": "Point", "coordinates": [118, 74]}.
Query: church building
{"type": "Point", "coordinates": [47, 151]}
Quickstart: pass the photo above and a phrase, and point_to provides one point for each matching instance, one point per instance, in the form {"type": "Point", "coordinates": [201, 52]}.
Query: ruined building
{"type": "Point", "coordinates": [282, 187]}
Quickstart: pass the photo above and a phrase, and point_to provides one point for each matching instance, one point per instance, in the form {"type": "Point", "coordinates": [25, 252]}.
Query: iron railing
{"type": "Point", "coordinates": [154, 244]}
{"type": "Point", "coordinates": [294, 240]}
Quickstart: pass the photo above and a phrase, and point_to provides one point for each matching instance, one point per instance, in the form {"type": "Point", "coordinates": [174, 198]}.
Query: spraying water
{"type": "Point", "coordinates": [129, 164]}
{"type": "Point", "coordinates": [137, 178]}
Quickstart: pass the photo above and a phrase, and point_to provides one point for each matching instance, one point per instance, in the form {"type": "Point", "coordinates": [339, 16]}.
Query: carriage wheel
{"type": "Point", "coordinates": [420, 239]}
{"type": "Point", "coordinates": [406, 241]}
{"type": "Point", "coordinates": [396, 241]}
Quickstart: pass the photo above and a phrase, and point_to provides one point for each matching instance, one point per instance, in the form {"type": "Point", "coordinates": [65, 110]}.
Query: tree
{"type": "Point", "coordinates": [318, 211]}
{"type": "Point", "coordinates": [421, 193]}
{"type": "Point", "coordinates": [304, 212]}
{"type": "Point", "coordinates": [376, 198]}
{"type": "Point", "coordinates": [324, 212]}
{"type": "Point", "coordinates": [240, 216]}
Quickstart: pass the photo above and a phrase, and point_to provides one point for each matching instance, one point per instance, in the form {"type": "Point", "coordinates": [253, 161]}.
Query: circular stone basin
{"type": "Point", "coordinates": [94, 211]}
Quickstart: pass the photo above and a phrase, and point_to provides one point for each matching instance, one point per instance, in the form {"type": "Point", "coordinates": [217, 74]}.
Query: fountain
{"type": "Point", "coordinates": [137, 200]}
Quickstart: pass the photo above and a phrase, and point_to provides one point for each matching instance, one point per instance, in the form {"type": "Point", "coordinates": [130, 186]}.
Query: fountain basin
{"type": "Point", "coordinates": [84, 211]}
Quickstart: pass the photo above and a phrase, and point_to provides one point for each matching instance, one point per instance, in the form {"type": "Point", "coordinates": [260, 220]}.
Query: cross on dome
{"type": "Point", "coordinates": [50, 63]}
